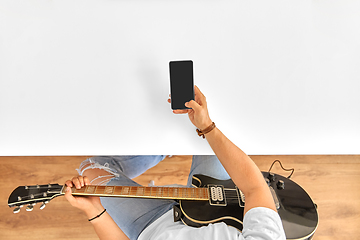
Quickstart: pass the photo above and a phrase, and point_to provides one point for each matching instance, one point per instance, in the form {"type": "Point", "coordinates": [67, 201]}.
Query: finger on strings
{"type": "Point", "coordinates": [69, 183]}
{"type": "Point", "coordinates": [86, 180]}
{"type": "Point", "coordinates": [81, 180]}
{"type": "Point", "coordinates": [76, 182]}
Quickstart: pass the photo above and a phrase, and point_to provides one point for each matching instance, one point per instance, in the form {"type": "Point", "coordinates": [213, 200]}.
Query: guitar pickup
{"type": "Point", "coordinates": [217, 195]}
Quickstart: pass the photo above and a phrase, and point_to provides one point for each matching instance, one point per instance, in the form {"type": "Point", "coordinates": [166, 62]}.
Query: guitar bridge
{"type": "Point", "coordinates": [217, 195]}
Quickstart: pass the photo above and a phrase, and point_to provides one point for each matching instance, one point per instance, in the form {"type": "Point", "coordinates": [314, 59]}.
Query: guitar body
{"type": "Point", "coordinates": [295, 207]}
{"type": "Point", "coordinates": [200, 213]}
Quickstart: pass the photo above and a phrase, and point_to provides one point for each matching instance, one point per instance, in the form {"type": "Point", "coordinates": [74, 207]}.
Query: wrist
{"type": "Point", "coordinates": [94, 211]}
{"type": "Point", "coordinates": [205, 125]}
{"type": "Point", "coordinates": [207, 130]}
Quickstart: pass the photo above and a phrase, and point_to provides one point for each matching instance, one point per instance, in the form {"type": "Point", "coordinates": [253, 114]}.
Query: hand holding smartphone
{"type": "Point", "coordinates": [181, 83]}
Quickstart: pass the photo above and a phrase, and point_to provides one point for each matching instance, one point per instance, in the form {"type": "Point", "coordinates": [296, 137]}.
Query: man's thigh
{"type": "Point", "coordinates": [208, 165]}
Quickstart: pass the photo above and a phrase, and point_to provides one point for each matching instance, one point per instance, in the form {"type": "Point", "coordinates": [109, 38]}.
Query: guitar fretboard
{"type": "Point", "coordinates": [144, 192]}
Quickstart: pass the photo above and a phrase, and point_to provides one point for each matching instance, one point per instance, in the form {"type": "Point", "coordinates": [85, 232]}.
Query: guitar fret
{"type": "Point", "coordinates": [109, 190]}
{"type": "Point", "coordinates": [97, 189]}
{"type": "Point", "coordinates": [162, 192]}
{"type": "Point", "coordinates": [181, 193]}
{"type": "Point", "coordinates": [188, 192]}
{"type": "Point", "coordinates": [176, 192]}
{"type": "Point", "coordinates": [117, 190]}
{"type": "Point", "coordinates": [165, 192]}
{"type": "Point", "coordinates": [171, 192]}
{"type": "Point", "coordinates": [125, 190]}
{"type": "Point", "coordinates": [146, 191]}
{"type": "Point", "coordinates": [81, 190]}
{"type": "Point", "coordinates": [149, 190]}
{"type": "Point", "coordinates": [140, 191]}
{"type": "Point", "coordinates": [131, 191]}
{"type": "Point", "coordinates": [159, 192]}
{"type": "Point", "coordinates": [100, 189]}
{"type": "Point", "coordinates": [90, 189]}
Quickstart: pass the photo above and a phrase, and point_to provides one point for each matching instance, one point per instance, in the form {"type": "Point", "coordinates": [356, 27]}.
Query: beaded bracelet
{"type": "Point", "coordinates": [97, 215]}
{"type": "Point", "coordinates": [206, 130]}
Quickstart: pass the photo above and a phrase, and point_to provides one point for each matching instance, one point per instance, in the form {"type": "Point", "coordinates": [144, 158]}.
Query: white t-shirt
{"type": "Point", "coordinates": [259, 223]}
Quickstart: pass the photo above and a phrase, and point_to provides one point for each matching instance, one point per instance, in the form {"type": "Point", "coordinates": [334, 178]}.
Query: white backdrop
{"type": "Point", "coordinates": [91, 77]}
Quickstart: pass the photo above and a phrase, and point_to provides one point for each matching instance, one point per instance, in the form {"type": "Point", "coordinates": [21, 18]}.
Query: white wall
{"type": "Point", "coordinates": [91, 77]}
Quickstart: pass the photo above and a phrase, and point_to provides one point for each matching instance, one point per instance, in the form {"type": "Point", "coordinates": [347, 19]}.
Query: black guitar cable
{"type": "Point", "coordinates": [291, 169]}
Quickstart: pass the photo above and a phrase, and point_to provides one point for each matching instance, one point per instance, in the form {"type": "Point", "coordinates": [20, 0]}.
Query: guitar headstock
{"type": "Point", "coordinates": [31, 195]}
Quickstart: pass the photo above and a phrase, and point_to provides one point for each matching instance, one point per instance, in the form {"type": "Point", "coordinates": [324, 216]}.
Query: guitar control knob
{"type": "Point", "coordinates": [280, 184]}
{"type": "Point", "coordinates": [272, 177]}
{"type": "Point", "coordinates": [267, 181]}
{"type": "Point", "coordinates": [16, 210]}
{"type": "Point", "coordinates": [29, 208]}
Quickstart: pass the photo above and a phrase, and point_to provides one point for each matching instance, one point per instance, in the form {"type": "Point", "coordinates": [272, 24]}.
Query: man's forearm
{"type": "Point", "coordinates": [106, 228]}
{"type": "Point", "coordinates": [242, 170]}
{"type": "Point", "coordinates": [235, 161]}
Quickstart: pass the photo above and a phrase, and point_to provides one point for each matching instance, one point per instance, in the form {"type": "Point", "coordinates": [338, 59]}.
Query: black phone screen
{"type": "Point", "coordinates": [181, 83]}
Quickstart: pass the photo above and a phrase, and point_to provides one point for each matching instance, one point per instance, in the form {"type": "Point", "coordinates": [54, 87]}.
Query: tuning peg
{"type": "Point", "coordinates": [43, 205]}
{"type": "Point", "coordinates": [16, 210]}
{"type": "Point", "coordinates": [29, 208]}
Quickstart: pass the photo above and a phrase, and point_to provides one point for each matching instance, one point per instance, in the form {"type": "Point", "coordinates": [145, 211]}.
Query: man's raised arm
{"type": "Point", "coordinates": [242, 170]}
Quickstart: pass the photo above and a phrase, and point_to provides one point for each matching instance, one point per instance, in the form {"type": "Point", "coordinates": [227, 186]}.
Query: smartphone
{"type": "Point", "coordinates": [181, 83]}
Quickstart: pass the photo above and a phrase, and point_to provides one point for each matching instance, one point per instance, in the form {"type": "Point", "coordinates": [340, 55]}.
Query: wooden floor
{"type": "Point", "coordinates": [333, 182]}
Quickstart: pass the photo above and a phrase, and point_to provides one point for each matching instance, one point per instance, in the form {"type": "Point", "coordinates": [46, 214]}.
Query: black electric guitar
{"type": "Point", "coordinates": [211, 200]}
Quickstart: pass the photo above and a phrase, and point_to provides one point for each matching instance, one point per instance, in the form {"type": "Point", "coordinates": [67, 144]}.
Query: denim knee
{"type": "Point", "coordinates": [98, 163]}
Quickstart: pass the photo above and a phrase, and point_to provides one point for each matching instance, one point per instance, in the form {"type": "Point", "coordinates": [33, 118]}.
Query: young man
{"type": "Point", "coordinates": [145, 219]}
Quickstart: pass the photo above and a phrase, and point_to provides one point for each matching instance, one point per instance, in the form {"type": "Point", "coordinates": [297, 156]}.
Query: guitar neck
{"type": "Point", "coordinates": [175, 193]}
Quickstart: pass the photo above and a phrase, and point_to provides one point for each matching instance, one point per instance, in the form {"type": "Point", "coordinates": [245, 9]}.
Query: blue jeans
{"type": "Point", "coordinates": [133, 215]}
